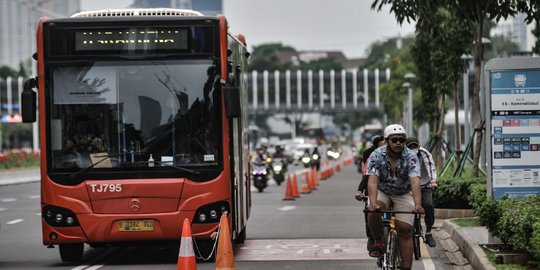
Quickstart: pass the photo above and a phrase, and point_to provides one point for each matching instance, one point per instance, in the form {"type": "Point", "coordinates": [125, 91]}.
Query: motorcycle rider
{"type": "Point", "coordinates": [316, 158]}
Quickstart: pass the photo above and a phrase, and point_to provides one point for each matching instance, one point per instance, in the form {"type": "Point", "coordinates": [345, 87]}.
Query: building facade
{"type": "Point", "coordinates": [18, 20]}
{"type": "Point", "coordinates": [206, 7]}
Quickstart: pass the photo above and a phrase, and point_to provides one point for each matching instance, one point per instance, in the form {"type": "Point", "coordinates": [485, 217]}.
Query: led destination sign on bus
{"type": "Point", "coordinates": [131, 39]}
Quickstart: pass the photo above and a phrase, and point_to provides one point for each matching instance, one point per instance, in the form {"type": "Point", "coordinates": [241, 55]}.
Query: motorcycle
{"type": "Point", "coordinates": [316, 161]}
{"type": "Point", "coordinates": [260, 176]}
{"type": "Point", "coordinates": [306, 160]}
{"type": "Point", "coordinates": [279, 167]}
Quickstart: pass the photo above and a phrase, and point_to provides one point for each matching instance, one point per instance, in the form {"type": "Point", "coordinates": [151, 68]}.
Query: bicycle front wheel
{"type": "Point", "coordinates": [392, 250]}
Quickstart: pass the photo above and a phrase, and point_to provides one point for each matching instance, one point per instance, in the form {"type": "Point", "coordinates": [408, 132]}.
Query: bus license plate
{"type": "Point", "coordinates": [136, 225]}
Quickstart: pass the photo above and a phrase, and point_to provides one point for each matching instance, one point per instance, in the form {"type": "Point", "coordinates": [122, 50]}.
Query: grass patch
{"type": "Point", "coordinates": [467, 222]}
{"type": "Point", "coordinates": [491, 257]}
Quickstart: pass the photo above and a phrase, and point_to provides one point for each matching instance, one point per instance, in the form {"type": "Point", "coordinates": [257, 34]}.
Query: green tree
{"type": "Point", "coordinates": [475, 14]}
{"type": "Point", "coordinates": [381, 51]}
{"type": "Point", "coordinates": [265, 57]}
{"type": "Point", "coordinates": [6, 71]}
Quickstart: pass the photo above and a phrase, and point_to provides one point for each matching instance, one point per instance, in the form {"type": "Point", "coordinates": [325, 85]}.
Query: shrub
{"type": "Point", "coordinates": [454, 192]}
{"type": "Point", "coordinates": [535, 241]}
{"type": "Point", "coordinates": [487, 210]}
{"type": "Point", "coordinates": [517, 219]}
{"type": "Point", "coordinates": [18, 160]}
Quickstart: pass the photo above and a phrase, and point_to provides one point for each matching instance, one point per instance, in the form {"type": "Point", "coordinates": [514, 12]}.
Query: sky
{"type": "Point", "coordinates": [343, 25]}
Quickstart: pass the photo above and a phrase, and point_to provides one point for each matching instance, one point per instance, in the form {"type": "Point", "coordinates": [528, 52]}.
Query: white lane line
{"type": "Point", "coordinates": [14, 221]}
{"type": "Point", "coordinates": [8, 200]}
{"type": "Point", "coordinates": [287, 208]}
{"type": "Point", "coordinates": [95, 267]}
{"type": "Point", "coordinates": [34, 196]}
{"type": "Point", "coordinates": [80, 267]}
{"type": "Point", "coordinates": [38, 214]}
{"type": "Point", "coordinates": [3, 209]}
{"type": "Point", "coordinates": [426, 258]}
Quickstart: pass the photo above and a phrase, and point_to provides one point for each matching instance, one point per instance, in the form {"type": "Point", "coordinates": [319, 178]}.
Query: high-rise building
{"type": "Point", "coordinates": [516, 30]}
{"type": "Point", "coordinates": [206, 7]}
{"type": "Point", "coordinates": [18, 21]}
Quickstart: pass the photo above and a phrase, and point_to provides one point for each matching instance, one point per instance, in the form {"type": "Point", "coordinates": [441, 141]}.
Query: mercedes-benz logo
{"type": "Point", "coordinates": [135, 205]}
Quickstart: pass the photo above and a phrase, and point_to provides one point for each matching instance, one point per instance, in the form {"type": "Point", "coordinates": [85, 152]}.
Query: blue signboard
{"type": "Point", "coordinates": [514, 122]}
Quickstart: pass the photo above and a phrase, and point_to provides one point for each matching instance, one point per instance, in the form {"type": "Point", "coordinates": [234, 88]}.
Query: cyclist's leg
{"type": "Point", "coordinates": [427, 204]}
{"type": "Point", "coordinates": [371, 240]}
{"type": "Point", "coordinates": [375, 223]}
{"type": "Point", "coordinates": [404, 224]}
{"type": "Point", "coordinates": [429, 216]}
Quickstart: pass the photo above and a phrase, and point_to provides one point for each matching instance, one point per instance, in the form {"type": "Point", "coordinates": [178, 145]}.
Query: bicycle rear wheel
{"type": "Point", "coordinates": [416, 247]}
{"type": "Point", "coordinates": [417, 234]}
{"type": "Point", "coordinates": [392, 250]}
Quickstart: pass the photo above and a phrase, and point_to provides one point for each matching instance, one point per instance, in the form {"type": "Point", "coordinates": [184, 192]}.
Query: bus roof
{"type": "Point", "coordinates": [137, 12]}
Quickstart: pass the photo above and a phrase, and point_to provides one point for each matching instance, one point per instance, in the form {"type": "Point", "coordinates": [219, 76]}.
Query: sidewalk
{"type": "Point", "coordinates": [463, 245]}
{"type": "Point", "coordinates": [19, 176]}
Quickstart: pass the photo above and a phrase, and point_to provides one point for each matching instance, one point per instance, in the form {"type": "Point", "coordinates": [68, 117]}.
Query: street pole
{"type": "Point", "coordinates": [408, 83]}
{"type": "Point", "coordinates": [410, 110]}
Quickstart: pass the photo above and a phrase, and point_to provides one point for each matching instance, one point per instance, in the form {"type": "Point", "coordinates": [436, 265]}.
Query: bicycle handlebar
{"type": "Point", "coordinates": [391, 212]}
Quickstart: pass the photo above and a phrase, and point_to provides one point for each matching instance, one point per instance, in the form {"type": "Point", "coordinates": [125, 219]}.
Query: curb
{"type": "Point", "coordinates": [469, 248]}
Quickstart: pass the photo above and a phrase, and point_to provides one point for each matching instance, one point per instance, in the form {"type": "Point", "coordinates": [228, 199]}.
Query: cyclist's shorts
{"type": "Point", "coordinates": [403, 202]}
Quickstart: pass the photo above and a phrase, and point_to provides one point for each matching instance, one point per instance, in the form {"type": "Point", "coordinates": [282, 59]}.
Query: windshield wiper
{"type": "Point", "coordinates": [166, 163]}
{"type": "Point", "coordinates": [104, 157]}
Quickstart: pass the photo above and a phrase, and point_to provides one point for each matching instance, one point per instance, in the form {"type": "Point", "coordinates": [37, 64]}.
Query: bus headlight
{"type": "Point", "coordinates": [202, 217]}
{"type": "Point", "coordinates": [211, 213]}
{"type": "Point", "coordinates": [59, 217]}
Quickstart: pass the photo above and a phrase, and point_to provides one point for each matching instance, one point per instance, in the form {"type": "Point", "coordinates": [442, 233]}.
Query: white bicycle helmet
{"type": "Point", "coordinates": [394, 129]}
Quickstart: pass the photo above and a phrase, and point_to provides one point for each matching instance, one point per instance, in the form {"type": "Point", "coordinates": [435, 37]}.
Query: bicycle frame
{"type": "Point", "coordinates": [389, 259]}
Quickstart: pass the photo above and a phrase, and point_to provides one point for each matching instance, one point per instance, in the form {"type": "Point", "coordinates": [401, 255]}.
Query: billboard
{"type": "Point", "coordinates": [513, 123]}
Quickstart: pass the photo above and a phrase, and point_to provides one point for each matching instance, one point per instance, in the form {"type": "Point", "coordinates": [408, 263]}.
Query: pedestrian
{"type": "Point", "coordinates": [394, 177]}
{"type": "Point", "coordinates": [428, 182]}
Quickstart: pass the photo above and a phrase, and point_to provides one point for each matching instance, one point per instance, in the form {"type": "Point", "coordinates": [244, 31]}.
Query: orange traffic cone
{"type": "Point", "coordinates": [305, 186]}
{"type": "Point", "coordinates": [225, 255]}
{"type": "Point", "coordinates": [294, 184]}
{"type": "Point", "coordinates": [186, 256]}
{"type": "Point", "coordinates": [312, 179]}
{"type": "Point", "coordinates": [288, 191]}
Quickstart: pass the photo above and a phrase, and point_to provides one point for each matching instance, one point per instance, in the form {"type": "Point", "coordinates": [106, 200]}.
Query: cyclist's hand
{"type": "Point", "coordinates": [359, 195]}
{"type": "Point", "coordinates": [418, 209]}
{"type": "Point", "coordinates": [433, 185]}
{"type": "Point", "coordinates": [373, 207]}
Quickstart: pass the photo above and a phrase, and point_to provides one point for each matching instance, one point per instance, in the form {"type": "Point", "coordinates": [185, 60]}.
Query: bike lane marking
{"type": "Point", "coordinates": [426, 258]}
{"type": "Point", "coordinates": [302, 249]}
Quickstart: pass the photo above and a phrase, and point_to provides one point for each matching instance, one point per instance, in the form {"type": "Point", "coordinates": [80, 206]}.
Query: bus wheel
{"type": "Point", "coordinates": [71, 252]}
{"type": "Point", "coordinates": [241, 238]}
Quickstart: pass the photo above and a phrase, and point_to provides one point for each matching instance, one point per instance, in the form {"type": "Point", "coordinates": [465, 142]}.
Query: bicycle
{"type": "Point", "coordinates": [389, 258]}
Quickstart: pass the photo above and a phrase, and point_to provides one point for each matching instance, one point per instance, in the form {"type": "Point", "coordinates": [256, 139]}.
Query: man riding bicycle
{"type": "Point", "coordinates": [393, 174]}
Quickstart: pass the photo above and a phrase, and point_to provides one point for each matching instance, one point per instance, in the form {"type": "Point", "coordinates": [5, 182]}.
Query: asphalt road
{"type": "Point", "coordinates": [320, 230]}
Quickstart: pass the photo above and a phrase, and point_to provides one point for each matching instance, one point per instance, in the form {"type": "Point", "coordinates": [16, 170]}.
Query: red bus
{"type": "Point", "coordinates": [143, 123]}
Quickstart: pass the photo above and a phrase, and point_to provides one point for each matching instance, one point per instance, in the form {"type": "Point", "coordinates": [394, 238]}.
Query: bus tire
{"type": "Point", "coordinates": [71, 252]}
{"type": "Point", "coordinates": [241, 238]}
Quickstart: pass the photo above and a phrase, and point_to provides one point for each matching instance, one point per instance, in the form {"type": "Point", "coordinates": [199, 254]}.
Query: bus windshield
{"type": "Point", "coordinates": [138, 115]}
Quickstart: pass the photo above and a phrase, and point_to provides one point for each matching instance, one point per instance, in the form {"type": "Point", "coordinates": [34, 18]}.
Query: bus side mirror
{"type": "Point", "coordinates": [29, 101]}
{"type": "Point", "coordinates": [232, 101]}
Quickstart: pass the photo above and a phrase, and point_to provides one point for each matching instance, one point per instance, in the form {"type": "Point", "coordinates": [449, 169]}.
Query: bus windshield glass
{"type": "Point", "coordinates": [141, 115]}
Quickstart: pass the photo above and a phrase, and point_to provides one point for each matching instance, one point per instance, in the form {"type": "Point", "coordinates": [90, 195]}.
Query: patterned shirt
{"type": "Point", "coordinates": [393, 182]}
{"type": "Point", "coordinates": [428, 172]}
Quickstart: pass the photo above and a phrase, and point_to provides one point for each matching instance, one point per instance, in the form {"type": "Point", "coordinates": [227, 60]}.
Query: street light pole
{"type": "Point", "coordinates": [408, 84]}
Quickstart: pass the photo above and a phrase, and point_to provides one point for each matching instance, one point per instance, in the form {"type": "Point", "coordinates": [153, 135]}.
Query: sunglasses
{"type": "Point", "coordinates": [401, 140]}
